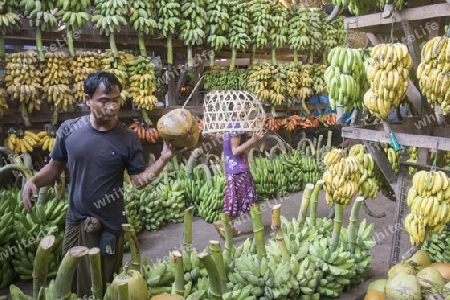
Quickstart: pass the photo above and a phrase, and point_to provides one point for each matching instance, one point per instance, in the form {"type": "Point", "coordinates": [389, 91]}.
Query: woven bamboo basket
{"type": "Point", "coordinates": [232, 110]}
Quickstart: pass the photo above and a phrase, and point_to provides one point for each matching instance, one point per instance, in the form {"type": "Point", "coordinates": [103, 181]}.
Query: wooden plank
{"type": "Point", "coordinates": [404, 139]}
{"type": "Point", "coordinates": [411, 14]}
{"type": "Point", "coordinates": [424, 167]}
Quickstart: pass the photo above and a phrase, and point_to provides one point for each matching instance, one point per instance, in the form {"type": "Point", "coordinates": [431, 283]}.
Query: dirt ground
{"type": "Point", "coordinates": [157, 244]}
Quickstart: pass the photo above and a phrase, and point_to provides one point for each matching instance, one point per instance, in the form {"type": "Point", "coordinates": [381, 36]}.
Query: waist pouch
{"type": "Point", "coordinates": [107, 243]}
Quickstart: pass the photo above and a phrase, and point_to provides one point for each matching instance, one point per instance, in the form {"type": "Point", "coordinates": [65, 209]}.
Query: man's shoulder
{"type": "Point", "coordinates": [68, 126]}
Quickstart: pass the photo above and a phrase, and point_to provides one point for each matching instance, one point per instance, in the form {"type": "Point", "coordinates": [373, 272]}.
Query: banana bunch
{"type": "Point", "coordinates": [368, 184]}
{"type": "Point", "coordinates": [3, 101]}
{"type": "Point", "coordinates": [260, 22]}
{"type": "Point", "coordinates": [22, 142]}
{"type": "Point", "coordinates": [83, 64]}
{"type": "Point", "coordinates": [357, 7]}
{"type": "Point", "coordinates": [298, 82]}
{"type": "Point", "coordinates": [429, 201]}
{"type": "Point", "coordinates": [333, 32]}
{"type": "Point", "coordinates": [56, 79]}
{"type": "Point", "coordinates": [192, 21]}
{"type": "Point", "coordinates": [9, 20]}
{"type": "Point", "coordinates": [388, 74]}
{"type": "Point", "coordinates": [398, 4]}
{"type": "Point", "coordinates": [314, 16]}
{"type": "Point", "coordinates": [412, 152]}
{"type": "Point", "coordinates": [278, 31]}
{"type": "Point", "coordinates": [142, 82]}
{"type": "Point", "coordinates": [159, 277]}
{"type": "Point", "coordinates": [145, 132]}
{"type": "Point", "coordinates": [220, 78]}
{"type": "Point", "coordinates": [7, 274]}
{"type": "Point", "coordinates": [341, 178]}
{"type": "Point", "coordinates": [433, 72]}
{"type": "Point", "coordinates": [310, 170]}
{"type": "Point", "coordinates": [298, 38]}
{"type": "Point", "coordinates": [23, 81]}
{"type": "Point", "coordinates": [169, 15]}
{"type": "Point", "coordinates": [218, 25]}
{"type": "Point", "coordinates": [7, 210]}
{"type": "Point", "coordinates": [194, 272]}
{"type": "Point", "coordinates": [77, 5]}
{"type": "Point", "coordinates": [293, 170]}
{"type": "Point", "coordinates": [263, 174]}
{"type": "Point", "coordinates": [173, 194]}
{"type": "Point", "coordinates": [46, 140]}
{"type": "Point", "coordinates": [131, 203]}
{"type": "Point", "coordinates": [116, 63]}
{"type": "Point", "coordinates": [141, 19]}
{"type": "Point", "coordinates": [437, 246]}
{"type": "Point", "coordinates": [343, 76]}
{"type": "Point", "coordinates": [239, 28]}
{"type": "Point", "coordinates": [151, 208]}
{"type": "Point", "coordinates": [317, 74]}
{"type": "Point", "coordinates": [393, 157]}
{"type": "Point", "coordinates": [281, 175]}
{"type": "Point", "coordinates": [267, 82]}
{"type": "Point", "coordinates": [211, 196]}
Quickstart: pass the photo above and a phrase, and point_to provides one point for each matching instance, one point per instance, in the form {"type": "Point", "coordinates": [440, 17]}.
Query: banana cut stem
{"type": "Point", "coordinates": [179, 273]}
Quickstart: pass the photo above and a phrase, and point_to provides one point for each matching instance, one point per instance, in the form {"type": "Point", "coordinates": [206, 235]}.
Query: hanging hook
{"type": "Point", "coordinates": [433, 167]}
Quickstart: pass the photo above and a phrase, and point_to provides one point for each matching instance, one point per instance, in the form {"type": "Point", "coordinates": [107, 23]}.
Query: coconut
{"type": "Point", "coordinates": [402, 286]}
{"type": "Point", "coordinates": [442, 267]}
{"type": "Point", "coordinates": [377, 285]}
{"type": "Point", "coordinates": [403, 268]}
{"type": "Point", "coordinates": [419, 260]}
{"type": "Point", "coordinates": [179, 128]}
{"type": "Point", "coordinates": [137, 286]}
{"type": "Point", "coordinates": [374, 295]}
{"type": "Point", "coordinates": [430, 277]}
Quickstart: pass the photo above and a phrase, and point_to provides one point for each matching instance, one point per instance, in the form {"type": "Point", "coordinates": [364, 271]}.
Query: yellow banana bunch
{"type": "Point", "coordinates": [142, 82]}
{"type": "Point", "coordinates": [83, 64]}
{"type": "Point", "coordinates": [46, 141]}
{"type": "Point", "coordinates": [118, 66]}
{"type": "Point", "coordinates": [393, 157]}
{"type": "Point", "coordinates": [412, 151]}
{"type": "Point", "coordinates": [429, 202]}
{"type": "Point", "coordinates": [3, 103]}
{"type": "Point", "coordinates": [22, 142]}
{"type": "Point", "coordinates": [341, 178]}
{"type": "Point", "coordinates": [433, 72]}
{"type": "Point", "coordinates": [388, 74]}
{"type": "Point", "coordinates": [267, 82]}
{"type": "Point", "coordinates": [368, 185]}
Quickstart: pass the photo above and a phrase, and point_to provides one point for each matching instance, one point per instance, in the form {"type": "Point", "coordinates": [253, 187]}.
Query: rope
{"type": "Point", "coordinates": [195, 88]}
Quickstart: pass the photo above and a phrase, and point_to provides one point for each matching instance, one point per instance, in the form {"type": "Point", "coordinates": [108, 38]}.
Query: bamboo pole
{"type": "Point", "coordinates": [276, 226]}
{"type": "Point", "coordinates": [66, 270]}
{"type": "Point", "coordinates": [187, 231]}
{"type": "Point", "coordinates": [353, 220]}
{"type": "Point", "coordinates": [258, 231]}
{"type": "Point", "coordinates": [213, 275]}
{"type": "Point", "coordinates": [315, 201]}
{"type": "Point", "coordinates": [95, 265]}
{"type": "Point", "coordinates": [228, 240]}
{"type": "Point", "coordinates": [40, 268]}
{"type": "Point", "coordinates": [130, 235]}
{"type": "Point", "coordinates": [123, 291]}
{"type": "Point", "coordinates": [179, 273]}
{"type": "Point", "coordinates": [305, 203]}
{"type": "Point", "coordinates": [216, 253]}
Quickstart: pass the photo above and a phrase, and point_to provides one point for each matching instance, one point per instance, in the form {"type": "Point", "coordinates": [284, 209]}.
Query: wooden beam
{"type": "Point", "coordinates": [382, 162]}
{"type": "Point", "coordinates": [411, 14]}
{"type": "Point", "coordinates": [424, 141]}
{"type": "Point", "coordinates": [424, 167]}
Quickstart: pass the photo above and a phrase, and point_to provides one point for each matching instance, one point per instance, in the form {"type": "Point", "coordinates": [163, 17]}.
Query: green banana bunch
{"type": "Point", "coordinates": [7, 210]}
{"type": "Point", "coordinates": [333, 32]}
{"type": "Point", "coordinates": [142, 82]}
{"type": "Point", "coordinates": [193, 21]}
{"type": "Point", "coordinates": [151, 210]}
{"type": "Point", "coordinates": [141, 19]}
{"type": "Point", "coordinates": [9, 20]}
{"type": "Point", "coordinates": [263, 175]}
{"type": "Point", "coordinates": [131, 203]}
{"type": "Point", "coordinates": [239, 26]}
{"type": "Point", "coordinates": [169, 16]}
{"type": "Point", "coordinates": [278, 31]}
{"type": "Point", "coordinates": [260, 20]}
{"type": "Point", "coordinates": [437, 247]}
{"type": "Point", "coordinates": [211, 197]}
{"type": "Point", "coordinates": [298, 29]}
{"type": "Point", "coordinates": [357, 7]}
{"type": "Point", "coordinates": [218, 24]}
{"type": "Point", "coordinates": [158, 275]}
{"type": "Point", "coordinates": [72, 6]}
{"type": "Point", "coordinates": [7, 272]}
{"type": "Point", "coordinates": [393, 157]}
{"type": "Point", "coordinates": [314, 16]}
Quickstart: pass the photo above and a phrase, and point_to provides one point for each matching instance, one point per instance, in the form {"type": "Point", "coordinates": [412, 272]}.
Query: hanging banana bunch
{"type": "Point", "coordinates": [169, 14]}
{"type": "Point", "coordinates": [358, 7]}
{"type": "Point", "coordinates": [82, 64]}
{"type": "Point", "coordinates": [314, 17]}
{"type": "Point", "coordinates": [343, 76]}
{"type": "Point", "coordinates": [9, 21]}
{"type": "Point", "coordinates": [192, 23]}
{"type": "Point", "coordinates": [141, 20]}
{"type": "Point", "coordinates": [3, 102]}
{"type": "Point", "coordinates": [218, 25]}
{"type": "Point", "coordinates": [118, 66]}
{"type": "Point", "coordinates": [433, 72]}
{"type": "Point", "coordinates": [108, 17]}
{"type": "Point", "coordinates": [40, 18]}
{"type": "Point", "coordinates": [298, 38]}
{"type": "Point", "coordinates": [142, 83]}
{"type": "Point", "coordinates": [278, 32]}
{"type": "Point", "coordinates": [238, 33]}
{"type": "Point", "coordinates": [398, 4]}
{"type": "Point", "coordinates": [388, 74]}
{"type": "Point", "coordinates": [267, 82]}
{"type": "Point", "coordinates": [317, 74]}
{"type": "Point", "coordinates": [260, 19]}
{"type": "Point", "coordinates": [333, 34]}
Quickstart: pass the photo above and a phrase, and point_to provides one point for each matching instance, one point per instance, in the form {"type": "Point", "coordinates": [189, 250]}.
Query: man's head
{"type": "Point", "coordinates": [102, 94]}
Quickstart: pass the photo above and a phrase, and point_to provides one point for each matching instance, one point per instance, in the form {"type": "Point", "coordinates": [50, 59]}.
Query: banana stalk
{"type": "Point", "coordinates": [10, 22]}
{"type": "Point", "coordinates": [258, 231]}
{"type": "Point", "coordinates": [337, 225]}
{"type": "Point", "coordinates": [351, 228]}
{"type": "Point", "coordinates": [315, 201]}
{"type": "Point", "coordinates": [43, 192]}
{"type": "Point", "coordinates": [17, 167]}
{"type": "Point", "coordinates": [276, 226]}
{"type": "Point", "coordinates": [40, 268]}
{"type": "Point", "coordinates": [95, 265]}
{"type": "Point", "coordinates": [329, 136]}
{"type": "Point", "coordinates": [63, 282]}
{"type": "Point", "coordinates": [187, 232]}
{"type": "Point", "coordinates": [306, 197]}
{"type": "Point", "coordinates": [227, 253]}
{"type": "Point", "coordinates": [179, 273]}
{"type": "Point", "coordinates": [213, 275]}
{"type": "Point", "coordinates": [318, 147]}
{"type": "Point", "coordinates": [169, 14]}
{"type": "Point", "coordinates": [216, 253]}
{"type": "Point", "coordinates": [130, 235]}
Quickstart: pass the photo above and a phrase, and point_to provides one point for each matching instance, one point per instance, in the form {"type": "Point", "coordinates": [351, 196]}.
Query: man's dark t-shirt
{"type": "Point", "coordinates": [96, 162]}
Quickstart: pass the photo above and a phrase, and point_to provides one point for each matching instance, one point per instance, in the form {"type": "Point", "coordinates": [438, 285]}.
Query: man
{"type": "Point", "coordinates": [97, 149]}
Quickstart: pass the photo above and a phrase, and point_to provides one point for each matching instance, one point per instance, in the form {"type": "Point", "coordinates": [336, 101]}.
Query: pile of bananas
{"type": "Point", "coordinates": [437, 246]}
{"type": "Point", "coordinates": [145, 132]}
{"type": "Point", "coordinates": [393, 157]}
{"type": "Point", "coordinates": [368, 184]}
{"type": "Point", "coordinates": [429, 200]}
{"type": "Point", "coordinates": [211, 196]}
{"type": "Point", "coordinates": [47, 140]}
{"type": "Point", "coordinates": [7, 234]}
{"type": "Point", "coordinates": [56, 79]}
{"type": "Point", "coordinates": [267, 82]}
{"type": "Point", "coordinates": [83, 64]}
{"type": "Point", "coordinates": [151, 209]}
{"type": "Point", "coordinates": [3, 99]}
{"type": "Point", "coordinates": [172, 196]}
{"type": "Point", "coordinates": [388, 74]}
{"type": "Point", "coordinates": [159, 277]}
{"type": "Point", "coordinates": [341, 178]}
{"type": "Point", "coordinates": [131, 203]}
{"type": "Point", "coordinates": [21, 141]}
{"type": "Point", "coordinates": [433, 72]}
{"type": "Point", "coordinates": [23, 81]}
{"type": "Point", "coordinates": [142, 82]}
{"type": "Point", "coordinates": [343, 76]}
{"type": "Point", "coordinates": [263, 174]}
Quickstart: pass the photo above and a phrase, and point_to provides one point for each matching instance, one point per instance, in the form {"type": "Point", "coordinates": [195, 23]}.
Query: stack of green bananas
{"type": "Point", "coordinates": [333, 32]}
{"type": "Point", "coordinates": [298, 38]}
{"type": "Point", "coordinates": [218, 25]}
{"type": "Point", "coordinates": [192, 21]}
{"type": "Point", "coordinates": [56, 79]}
{"type": "Point", "coordinates": [159, 277]}
{"type": "Point", "coordinates": [293, 171]}
{"type": "Point", "coordinates": [216, 78]}
{"type": "Point", "coordinates": [211, 197]}
{"type": "Point", "coordinates": [23, 80]}
{"type": "Point", "coordinates": [194, 272]}
{"type": "Point", "coordinates": [343, 76]}
{"type": "Point", "coordinates": [278, 31]}
{"type": "Point", "coordinates": [118, 66]}
{"type": "Point", "coordinates": [281, 175]}
{"type": "Point", "coordinates": [239, 30]}
{"type": "Point", "coordinates": [7, 234]}
{"type": "Point", "coordinates": [393, 157]}
{"type": "Point", "coordinates": [267, 82]}
{"type": "Point", "coordinates": [429, 200]}
{"type": "Point", "coordinates": [141, 19]}
{"type": "Point", "coordinates": [314, 16]}
{"type": "Point", "coordinates": [437, 246]}
{"type": "Point", "coordinates": [260, 20]}
{"type": "Point", "coordinates": [341, 178]}
{"type": "Point", "coordinates": [263, 174]}
{"type": "Point", "coordinates": [368, 184]}
{"type": "Point", "coordinates": [7, 274]}
{"type": "Point", "coordinates": [83, 64]}
{"type": "Point", "coordinates": [433, 72]}
{"type": "Point", "coordinates": [318, 83]}
{"type": "Point", "coordinates": [151, 209]}
{"type": "Point", "coordinates": [142, 82]}
{"type": "Point", "coordinates": [174, 205]}
{"type": "Point", "coordinates": [310, 170]}
{"type": "Point", "coordinates": [388, 74]}
{"type": "Point", "coordinates": [131, 203]}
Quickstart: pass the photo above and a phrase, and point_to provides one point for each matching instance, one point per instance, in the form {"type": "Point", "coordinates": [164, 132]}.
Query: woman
{"type": "Point", "coordinates": [240, 191]}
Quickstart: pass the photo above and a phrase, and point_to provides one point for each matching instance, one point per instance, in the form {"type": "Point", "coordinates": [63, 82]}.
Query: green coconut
{"type": "Point", "coordinates": [430, 277]}
{"type": "Point", "coordinates": [137, 286]}
{"type": "Point", "coordinates": [402, 286]}
{"type": "Point", "coordinates": [377, 285]}
{"type": "Point", "coordinates": [402, 268]}
{"type": "Point", "coordinates": [420, 259]}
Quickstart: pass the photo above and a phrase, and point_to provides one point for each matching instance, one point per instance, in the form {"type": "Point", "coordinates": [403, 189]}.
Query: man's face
{"type": "Point", "coordinates": [104, 106]}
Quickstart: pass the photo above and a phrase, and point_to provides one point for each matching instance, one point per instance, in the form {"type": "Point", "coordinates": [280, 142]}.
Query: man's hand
{"type": "Point", "coordinates": [170, 151]}
{"type": "Point", "coordinates": [29, 189]}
